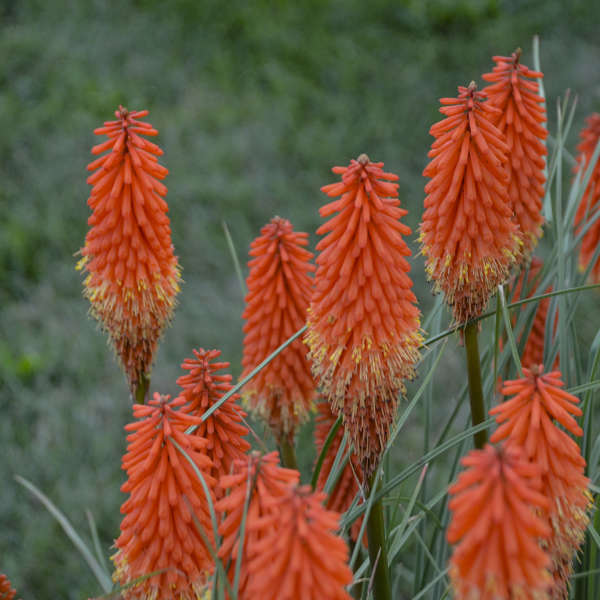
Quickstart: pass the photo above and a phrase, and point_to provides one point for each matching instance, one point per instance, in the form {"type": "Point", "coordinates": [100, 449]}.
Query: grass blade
{"type": "Point", "coordinates": [398, 532]}
{"type": "Point", "coordinates": [328, 441]}
{"type": "Point", "coordinates": [509, 330]}
{"type": "Point", "coordinates": [234, 256]}
{"type": "Point", "coordinates": [96, 540]}
{"type": "Point", "coordinates": [103, 578]}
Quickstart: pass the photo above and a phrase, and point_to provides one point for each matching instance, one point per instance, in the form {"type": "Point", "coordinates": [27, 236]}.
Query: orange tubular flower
{"type": "Point", "coordinates": [6, 591]}
{"type": "Point", "coordinates": [346, 488]}
{"type": "Point", "coordinates": [278, 294]}
{"type": "Point", "coordinates": [255, 480]}
{"type": "Point", "coordinates": [516, 93]}
{"type": "Point", "coordinates": [527, 421]}
{"type": "Point", "coordinates": [224, 431]}
{"type": "Point", "coordinates": [363, 327]}
{"type": "Point", "coordinates": [590, 136]}
{"type": "Point", "coordinates": [495, 528]}
{"type": "Point", "coordinates": [299, 555]}
{"type": "Point", "coordinates": [467, 232]}
{"type": "Point", "coordinates": [133, 276]}
{"type": "Point", "coordinates": [166, 505]}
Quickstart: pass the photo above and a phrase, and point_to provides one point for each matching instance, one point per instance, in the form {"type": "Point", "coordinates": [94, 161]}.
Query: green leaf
{"type": "Point", "coordinates": [101, 575]}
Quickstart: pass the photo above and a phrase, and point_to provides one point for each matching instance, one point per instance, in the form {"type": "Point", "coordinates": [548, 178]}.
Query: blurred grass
{"type": "Point", "coordinates": [254, 102]}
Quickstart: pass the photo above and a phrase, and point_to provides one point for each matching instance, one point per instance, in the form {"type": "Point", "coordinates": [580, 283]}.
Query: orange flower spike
{"type": "Point", "coordinates": [267, 480]}
{"type": "Point", "coordinates": [515, 92]}
{"type": "Point", "coordinates": [166, 503]}
{"type": "Point", "coordinates": [224, 429]}
{"type": "Point", "coordinates": [298, 555]}
{"type": "Point", "coordinates": [363, 327]}
{"type": "Point", "coordinates": [279, 288]}
{"type": "Point", "coordinates": [467, 232]}
{"type": "Point", "coordinates": [346, 488]}
{"type": "Point", "coordinates": [496, 529]}
{"type": "Point", "coordinates": [590, 136]}
{"type": "Point", "coordinates": [133, 275]}
{"type": "Point", "coordinates": [6, 591]}
{"type": "Point", "coordinates": [526, 420]}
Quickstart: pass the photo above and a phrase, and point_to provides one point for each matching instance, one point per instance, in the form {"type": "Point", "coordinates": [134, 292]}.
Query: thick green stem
{"type": "Point", "coordinates": [288, 454]}
{"type": "Point", "coordinates": [382, 589]}
{"type": "Point", "coordinates": [141, 391]}
{"type": "Point", "coordinates": [475, 387]}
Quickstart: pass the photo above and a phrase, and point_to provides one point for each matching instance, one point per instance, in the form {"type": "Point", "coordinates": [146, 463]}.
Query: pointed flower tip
{"type": "Point", "coordinates": [279, 288]}
{"type": "Point", "coordinates": [541, 396]}
{"type": "Point", "coordinates": [132, 274]}
{"type": "Point", "coordinates": [467, 233]}
{"type": "Point", "coordinates": [495, 528]}
{"type": "Point", "coordinates": [299, 553]}
{"type": "Point", "coordinates": [363, 327]}
{"type": "Point", "coordinates": [521, 118]}
{"type": "Point", "coordinates": [204, 385]}
{"type": "Point", "coordinates": [253, 485]}
{"type": "Point", "coordinates": [157, 531]}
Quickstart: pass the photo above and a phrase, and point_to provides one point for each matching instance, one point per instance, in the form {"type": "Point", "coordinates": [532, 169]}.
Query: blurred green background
{"type": "Point", "coordinates": [254, 102]}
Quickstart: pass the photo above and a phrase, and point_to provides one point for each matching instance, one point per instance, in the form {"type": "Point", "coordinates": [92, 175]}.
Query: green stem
{"type": "Point", "coordinates": [288, 454]}
{"type": "Point", "coordinates": [141, 391]}
{"type": "Point", "coordinates": [357, 589]}
{"type": "Point", "coordinates": [382, 589]}
{"type": "Point", "coordinates": [591, 579]}
{"type": "Point", "coordinates": [474, 374]}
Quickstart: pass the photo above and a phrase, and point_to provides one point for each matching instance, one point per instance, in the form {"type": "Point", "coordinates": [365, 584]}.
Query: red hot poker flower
{"type": "Point", "coordinates": [467, 232]}
{"type": "Point", "coordinates": [495, 527]}
{"type": "Point", "coordinates": [278, 294]}
{"type": "Point", "coordinates": [6, 591]}
{"type": "Point", "coordinates": [299, 555]}
{"type": "Point", "coordinates": [590, 136]}
{"type": "Point", "coordinates": [159, 531]}
{"type": "Point", "coordinates": [346, 488]}
{"type": "Point", "coordinates": [255, 481]}
{"type": "Point", "coordinates": [363, 327]}
{"type": "Point", "coordinates": [133, 275]}
{"type": "Point", "coordinates": [527, 420]}
{"type": "Point", "coordinates": [515, 92]}
{"type": "Point", "coordinates": [224, 429]}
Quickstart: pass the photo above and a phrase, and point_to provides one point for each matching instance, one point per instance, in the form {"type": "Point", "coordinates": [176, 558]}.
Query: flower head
{"type": "Point", "coordinates": [346, 488]}
{"type": "Point", "coordinates": [363, 326]}
{"type": "Point", "coordinates": [166, 506]}
{"type": "Point", "coordinates": [468, 235]}
{"type": "Point", "coordinates": [515, 92]}
{"type": "Point", "coordinates": [527, 421]}
{"type": "Point", "coordinates": [278, 294]}
{"type": "Point", "coordinates": [255, 480]}
{"type": "Point", "coordinates": [133, 275]}
{"type": "Point", "coordinates": [590, 136]}
{"type": "Point", "coordinates": [223, 430]}
{"type": "Point", "coordinates": [299, 554]}
{"type": "Point", "coordinates": [6, 591]}
{"type": "Point", "coordinates": [496, 529]}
